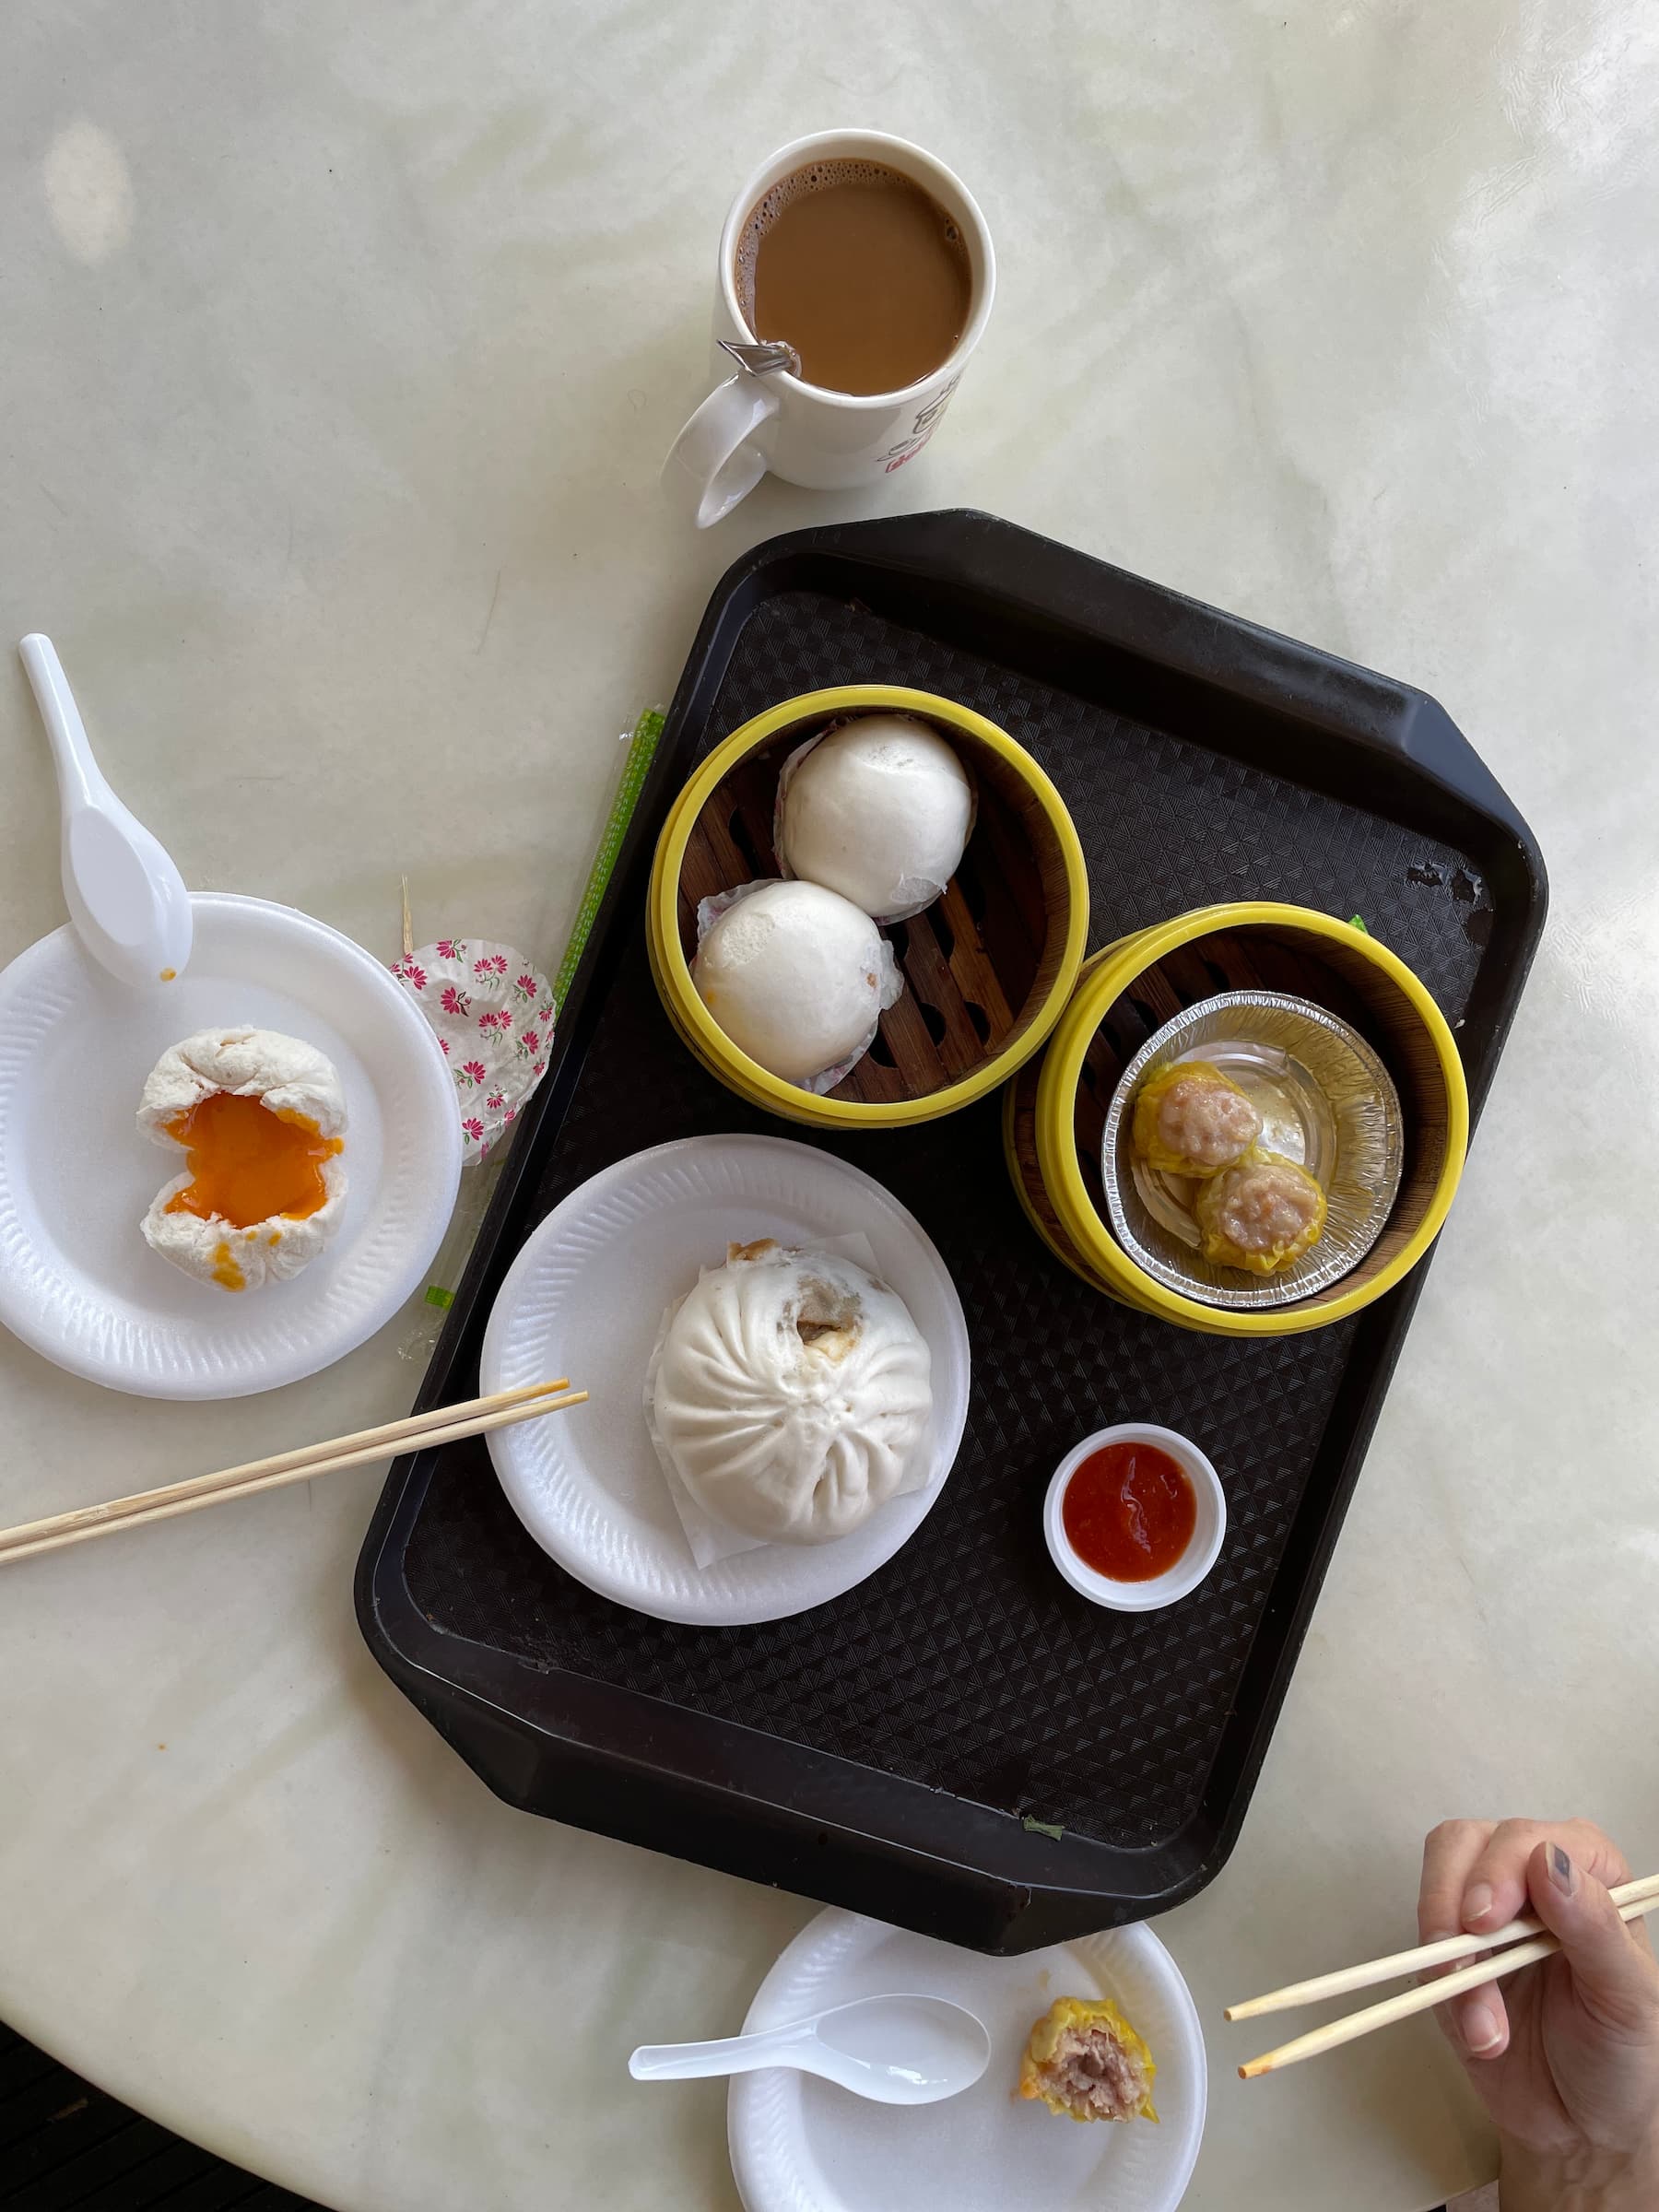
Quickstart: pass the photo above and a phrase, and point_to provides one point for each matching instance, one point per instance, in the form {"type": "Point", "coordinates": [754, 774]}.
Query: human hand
{"type": "Point", "coordinates": [1564, 2054]}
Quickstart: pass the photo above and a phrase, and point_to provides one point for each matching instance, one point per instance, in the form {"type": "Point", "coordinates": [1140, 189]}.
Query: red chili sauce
{"type": "Point", "coordinates": [1129, 1512]}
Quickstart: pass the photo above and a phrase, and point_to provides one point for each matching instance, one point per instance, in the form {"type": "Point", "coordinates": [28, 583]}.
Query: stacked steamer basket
{"type": "Point", "coordinates": [1057, 1109]}
{"type": "Point", "coordinates": [988, 967]}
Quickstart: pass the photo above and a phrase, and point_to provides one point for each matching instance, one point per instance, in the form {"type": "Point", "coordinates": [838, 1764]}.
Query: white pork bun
{"type": "Point", "coordinates": [793, 1393]}
{"type": "Point", "coordinates": [879, 810]}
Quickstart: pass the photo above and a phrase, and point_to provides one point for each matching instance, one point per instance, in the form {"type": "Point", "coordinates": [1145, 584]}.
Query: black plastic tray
{"type": "Point", "coordinates": [961, 1745]}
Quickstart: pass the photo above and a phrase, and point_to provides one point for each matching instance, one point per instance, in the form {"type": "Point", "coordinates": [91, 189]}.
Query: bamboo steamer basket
{"type": "Point", "coordinates": [1054, 1110]}
{"type": "Point", "coordinates": [988, 967]}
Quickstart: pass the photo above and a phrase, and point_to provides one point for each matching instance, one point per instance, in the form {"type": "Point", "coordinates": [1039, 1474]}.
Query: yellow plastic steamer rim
{"type": "Point", "coordinates": [771, 1091]}
{"type": "Point", "coordinates": [1062, 1072]}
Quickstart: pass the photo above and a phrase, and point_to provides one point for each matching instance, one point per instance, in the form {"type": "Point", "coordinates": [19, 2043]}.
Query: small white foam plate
{"type": "Point", "coordinates": [802, 2144]}
{"type": "Point", "coordinates": [78, 1281]}
{"type": "Point", "coordinates": [585, 1298]}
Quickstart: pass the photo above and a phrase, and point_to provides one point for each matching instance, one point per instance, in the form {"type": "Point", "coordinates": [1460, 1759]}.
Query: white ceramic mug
{"type": "Point", "coordinates": [826, 441]}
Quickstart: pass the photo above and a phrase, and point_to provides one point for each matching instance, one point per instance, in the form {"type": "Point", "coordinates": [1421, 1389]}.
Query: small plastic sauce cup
{"type": "Point", "coordinates": [1202, 1547]}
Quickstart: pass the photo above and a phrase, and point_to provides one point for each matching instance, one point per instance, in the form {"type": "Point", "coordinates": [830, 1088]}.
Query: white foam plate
{"type": "Point", "coordinates": [585, 1298]}
{"type": "Point", "coordinates": [78, 1281]}
{"type": "Point", "coordinates": [802, 2144]}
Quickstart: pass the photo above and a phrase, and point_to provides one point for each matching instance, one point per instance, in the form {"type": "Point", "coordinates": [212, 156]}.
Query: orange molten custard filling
{"type": "Point", "coordinates": [247, 1163]}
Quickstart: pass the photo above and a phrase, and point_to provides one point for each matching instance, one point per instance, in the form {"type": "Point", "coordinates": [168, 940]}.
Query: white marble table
{"type": "Point", "coordinates": [339, 347]}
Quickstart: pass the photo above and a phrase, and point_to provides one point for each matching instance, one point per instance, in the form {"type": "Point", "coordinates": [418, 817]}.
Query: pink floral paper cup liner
{"type": "Point", "coordinates": [492, 1014]}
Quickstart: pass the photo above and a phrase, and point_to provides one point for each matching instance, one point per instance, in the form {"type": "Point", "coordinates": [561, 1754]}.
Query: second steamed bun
{"type": "Point", "coordinates": [797, 976]}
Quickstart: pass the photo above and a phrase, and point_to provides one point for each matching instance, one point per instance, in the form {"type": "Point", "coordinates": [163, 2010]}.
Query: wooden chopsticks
{"type": "Point", "coordinates": [442, 1425]}
{"type": "Point", "coordinates": [1526, 1943]}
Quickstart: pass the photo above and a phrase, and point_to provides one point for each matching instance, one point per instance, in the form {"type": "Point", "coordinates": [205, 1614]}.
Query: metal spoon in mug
{"type": "Point", "coordinates": [126, 899]}
{"type": "Point", "coordinates": [894, 2049]}
{"type": "Point", "coordinates": [772, 353]}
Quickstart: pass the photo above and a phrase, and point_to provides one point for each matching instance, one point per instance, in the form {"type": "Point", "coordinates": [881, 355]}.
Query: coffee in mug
{"type": "Point", "coordinates": [872, 261]}
{"type": "Point", "coordinates": [860, 270]}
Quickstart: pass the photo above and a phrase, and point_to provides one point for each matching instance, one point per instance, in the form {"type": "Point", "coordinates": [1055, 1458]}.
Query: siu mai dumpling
{"type": "Point", "coordinates": [1087, 2062]}
{"type": "Point", "coordinates": [1259, 1215]}
{"type": "Point", "coordinates": [1190, 1119]}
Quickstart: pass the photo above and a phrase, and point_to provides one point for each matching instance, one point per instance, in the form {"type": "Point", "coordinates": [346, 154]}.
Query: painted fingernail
{"type": "Point", "coordinates": [1479, 1903]}
{"type": "Point", "coordinates": [1482, 2032]}
{"type": "Point", "coordinates": [1562, 1871]}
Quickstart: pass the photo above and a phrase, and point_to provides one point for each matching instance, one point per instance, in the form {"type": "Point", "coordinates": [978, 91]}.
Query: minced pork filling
{"type": "Point", "coordinates": [1092, 2069]}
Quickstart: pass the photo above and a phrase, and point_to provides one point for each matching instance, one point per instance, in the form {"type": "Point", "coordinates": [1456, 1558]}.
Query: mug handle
{"type": "Point", "coordinates": [714, 453]}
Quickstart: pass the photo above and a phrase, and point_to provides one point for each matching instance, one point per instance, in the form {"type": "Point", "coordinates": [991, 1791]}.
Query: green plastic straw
{"type": "Point", "coordinates": [642, 752]}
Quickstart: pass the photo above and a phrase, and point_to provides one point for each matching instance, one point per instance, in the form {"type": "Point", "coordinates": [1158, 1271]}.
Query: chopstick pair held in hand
{"type": "Point", "coordinates": [442, 1425]}
{"type": "Point", "coordinates": [1566, 2057]}
{"type": "Point", "coordinates": [1519, 1943]}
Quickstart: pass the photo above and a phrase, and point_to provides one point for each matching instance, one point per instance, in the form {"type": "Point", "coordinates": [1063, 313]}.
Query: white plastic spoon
{"type": "Point", "coordinates": [126, 899]}
{"type": "Point", "coordinates": [895, 2050]}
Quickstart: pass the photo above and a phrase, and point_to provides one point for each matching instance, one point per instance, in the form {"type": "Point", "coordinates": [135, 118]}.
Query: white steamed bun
{"type": "Point", "coordinates": [792, 1394]}
{"type": "Point", "coordinates": [294, 1082]}
{"type": "Point", "coordinates": [797, 977]}
{"type": "Point", "coordinates": [878, 810]}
